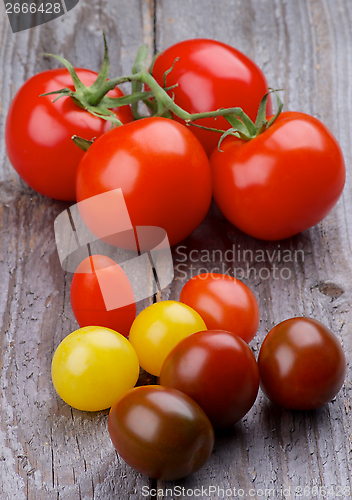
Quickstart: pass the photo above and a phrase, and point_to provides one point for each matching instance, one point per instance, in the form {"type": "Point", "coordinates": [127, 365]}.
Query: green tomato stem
{"type": "Point", "coordinates": [95, 100]}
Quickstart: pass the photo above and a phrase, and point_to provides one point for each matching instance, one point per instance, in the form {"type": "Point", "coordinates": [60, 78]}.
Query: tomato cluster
{"type": "Point", "coordinates": [271, 176]}
{"type": "Point", "coordinates": [209, 377]}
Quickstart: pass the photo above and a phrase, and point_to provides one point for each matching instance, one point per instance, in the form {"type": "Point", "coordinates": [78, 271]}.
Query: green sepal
{"type": "Point", "coordinates": [104, 70]}
{"type": "Point", "coordinates": [65, 91]}
{"type": "Point", "coordinates": [235, 133]}
{"type": "Point", "coordinates": [83, 144]}
{"type": "Point", "coordinates": [237, 124]}
{"type": "Point", "coordinates": [230, 131]}
{"type": "Point", "coordinates": [243, 127]}
{"type": "Point", "coordinates": [79, 86]}
{"type": "Point", "coordinates": [280, 106]}
{"type": "Point", "coordinates": [261, 115]}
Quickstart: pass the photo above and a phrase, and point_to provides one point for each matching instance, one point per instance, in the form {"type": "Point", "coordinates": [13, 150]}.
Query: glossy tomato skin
{"type": "Point", "coordinates": [38, 132]}
{"type": "Point", "coordinates": [224, 303]}
{"type": "Point", "coordinates": [161, 168]}
{"type": "Point", "coordinates": [218, 370]}
{"type": "Point", "coordinates": [301, 363]}
{"type": "Point", "coordinates": [211, 75]}
{"type": "Point", "coordinates": [282, 182]}
{"type": "Point", "coordinates": [92, 367]}
{"type": "Point", "coordinates": [158, 328]}
{"type": "Point", "coordinates": [161, 432]}
{"type": "Point", "coordinates": [87, 300]}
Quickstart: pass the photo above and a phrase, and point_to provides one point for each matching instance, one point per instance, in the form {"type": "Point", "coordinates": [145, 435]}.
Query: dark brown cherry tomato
{"type": "Point", "coordinates": [301, 364]}
{"type": "Point", "coordinates": [160, 432]}
{"type": "Point", "coordinates": [218, 370]}
{"type": "Point", "coordinates": [224, 303]}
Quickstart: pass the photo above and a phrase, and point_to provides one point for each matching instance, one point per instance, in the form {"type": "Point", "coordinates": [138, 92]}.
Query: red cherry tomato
{"type": "Point", "coordinates": [211, 75]}
{"type": "Point", "coordinates": [224, 303]}
{"type": "Point", "coordinates": [282, 182]}
{"type": "Point", "coordinates": [218, 370]}
{"type": "Point", "coordinates": [38, 132]}
{"type": "Point", "coordinates": [160, 432]}
{"type": "Point", "coordinates": [87, 295]}
{"type": "Point", "coordinates": [301, 364]}
{"type": "Point", "coordinates": [161, 168]}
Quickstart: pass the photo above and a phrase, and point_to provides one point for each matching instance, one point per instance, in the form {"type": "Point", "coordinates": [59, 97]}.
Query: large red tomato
{"type": "Point", "coordinates": [211, 75]}
{"type": "Point", "coordinates": [282, 182]}
{"type": "Point", "coordinates": [224, 303]}
{"type": "Point", "coordinates": [302, 365]}
{"type": "Point", "coordinates": [218, 370]}
{"type": "Point", "coordinates": [88, 291]}
{"type": "Point", "coordinates": [38, 132]}
{"type": "Point", "coordinates": [161, 168]}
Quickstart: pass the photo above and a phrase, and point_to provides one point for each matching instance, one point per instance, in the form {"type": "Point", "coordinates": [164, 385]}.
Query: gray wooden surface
{"type": "Point", "coordinates": [50, 451]}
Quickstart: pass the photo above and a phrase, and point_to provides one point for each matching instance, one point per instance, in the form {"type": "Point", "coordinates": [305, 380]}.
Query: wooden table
{"type": "Point", "coordinates": [51, 451]}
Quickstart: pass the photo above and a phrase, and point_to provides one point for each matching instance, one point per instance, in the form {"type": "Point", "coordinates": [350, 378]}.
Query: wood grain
{"type": "Point", "coordinates": [48, 450]}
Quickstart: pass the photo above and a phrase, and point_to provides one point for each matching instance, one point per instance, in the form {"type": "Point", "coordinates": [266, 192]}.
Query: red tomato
{"type": "Point", "coordinates": [218, 370]}
{"type": "Point", "coordinates": [87, 295]}
{"type": "Point", "coordinates": [161, 168]}
{"type": "Point", "coordinates": [38, 132]}
{"type": "Point", "coordinates": [211, 75]}
{"type": "Point", "coordinates": [282, 182]}
{"type": "Point", "coordinates": [224, 303]}
{"type": "Point", "coordinates": [160, 432]}
{"type": "Point", "coordinates": [301, 364]}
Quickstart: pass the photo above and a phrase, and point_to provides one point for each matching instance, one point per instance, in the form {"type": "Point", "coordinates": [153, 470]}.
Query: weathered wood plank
{"type": "Point", "coordinates": [48, 450]}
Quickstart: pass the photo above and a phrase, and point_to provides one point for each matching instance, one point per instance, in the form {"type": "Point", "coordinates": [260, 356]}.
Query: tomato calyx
{"type": "Point", "coordinates": [244, 128]}
{"type": "Point", "coordinates": [94, 99]}
{"type": "Point", "coordinates": [81, 143]}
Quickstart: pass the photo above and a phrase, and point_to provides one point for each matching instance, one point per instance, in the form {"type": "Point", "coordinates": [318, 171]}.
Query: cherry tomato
{"type": "Point", "coordinates": [211, 75]}
{"type": "Point", "coordinates": [92, 367]}
{"type": "Point", "coordinates": [161, 168]}
{"type": "Point", "coordinates": [161, 432]}
{"type": "Point", "coordinates": [224, 303]}
{"type": "Point", "coordinates": [282, 182]}
{"type": "Point", "coordinates": [87, 295]}
{"type": "Point", "coordinates": [218, 370]}
{"type": "Point", "coordinates": [38, 132]}
{"type": "Point", "coordinates": [158, 328]}
{"type": "Point", "coordinates": [301, 364]}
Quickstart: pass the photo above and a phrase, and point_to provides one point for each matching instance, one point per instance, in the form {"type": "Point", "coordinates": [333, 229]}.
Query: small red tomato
{"type": "Point", "coordinates": [218, 370]}
{"type": "Point", "coordinates": [38, 132]}
{"type": "Point", "coordinates": [282, 182]}
{"type": "Point", "coordinates": [210, 75]}
{"type": "Point", "coordinates": [160, 432]}
{"type": "Point", "coordinates": [301, 364]}
{"type": "Point", "coordinates": [224, 303]}
{"type": "Point", "coordinates": [97, 278]}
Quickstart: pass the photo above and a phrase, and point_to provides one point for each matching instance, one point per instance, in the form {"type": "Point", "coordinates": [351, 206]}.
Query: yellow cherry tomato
{"type": "Point", "coordinates": [159, 328]}
{"type": "Point", "coordinates": [93, 367]}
